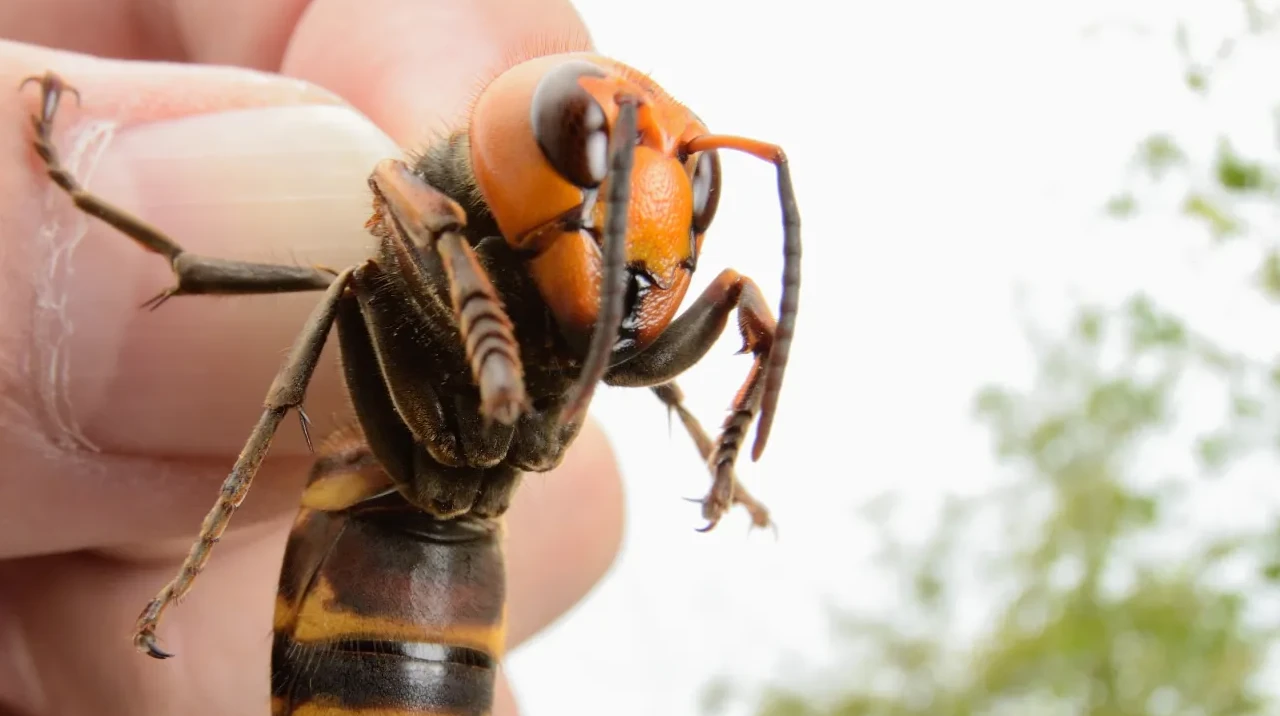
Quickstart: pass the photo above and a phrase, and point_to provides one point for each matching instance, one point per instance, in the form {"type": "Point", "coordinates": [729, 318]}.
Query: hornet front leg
{"type": "Point", "coordinates": [685, 342]}
{"type": "Point", "coordinates": [415, 216]}
{"type": "Point", "coordinates": [672, 397]}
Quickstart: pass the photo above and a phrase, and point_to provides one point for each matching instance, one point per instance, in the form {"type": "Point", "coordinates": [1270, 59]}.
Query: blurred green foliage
{"type": "Point", "coordinates": [1096, 594]}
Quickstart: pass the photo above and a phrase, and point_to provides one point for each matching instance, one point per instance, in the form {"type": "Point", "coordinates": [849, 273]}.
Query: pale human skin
{"type": "Point", "coordinates": [118, 425]}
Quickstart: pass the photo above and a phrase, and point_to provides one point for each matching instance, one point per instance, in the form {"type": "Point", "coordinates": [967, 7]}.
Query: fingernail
{"type": "Point", "coordinates": [280, 185]}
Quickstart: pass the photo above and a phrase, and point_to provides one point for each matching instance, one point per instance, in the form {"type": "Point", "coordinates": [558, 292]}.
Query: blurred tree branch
{"type": "Point", "coordinates": [1098, 597]}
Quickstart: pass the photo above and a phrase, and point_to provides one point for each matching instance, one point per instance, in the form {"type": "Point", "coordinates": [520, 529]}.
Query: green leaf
{"type": "Point", "coordinates": [1121, 206]}
{"type": "Point", "coordinates": [1246, 406]}
{"type": "Point", "coordinates": [1154, 328]}
{"type": "Point", "coordinates": [1089, 325]}
{"type": "Point", "coordinates": [1159, 153]}
{"type": "Point", "coordinates": [1213, 451]}
{"type": "Point", "coordinates": [1197, 80]}
{"type": "Point", "coordinates": [1237, 174]}
{"type": "Point", "coordinates": [1220, 223]}
{"type": "Point", "coordinates": [1269, 275]}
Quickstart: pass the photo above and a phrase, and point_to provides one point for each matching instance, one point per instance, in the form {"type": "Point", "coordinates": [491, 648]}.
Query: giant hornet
{"type": "Point", "coordinates": [543, 248]}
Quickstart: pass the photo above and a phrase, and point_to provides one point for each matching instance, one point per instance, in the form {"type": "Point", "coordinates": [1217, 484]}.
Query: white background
{"type": "Point", "coordinates": [943, 153]}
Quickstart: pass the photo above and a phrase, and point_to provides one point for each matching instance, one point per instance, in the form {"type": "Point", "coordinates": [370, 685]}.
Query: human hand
{"type": "Point", "coordinates": [117, 425]}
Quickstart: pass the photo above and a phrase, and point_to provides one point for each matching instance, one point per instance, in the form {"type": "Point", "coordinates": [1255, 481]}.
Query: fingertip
{"type": "Point", "coordinates": [504, 700]}
{"type": "Point", "coordinates": [415, 68]}
{"type": "Point", "coordinates": [564, 532]}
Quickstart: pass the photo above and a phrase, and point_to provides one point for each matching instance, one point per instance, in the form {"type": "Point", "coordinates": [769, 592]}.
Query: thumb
{"type": "Point", "coordinates": [229, 163]}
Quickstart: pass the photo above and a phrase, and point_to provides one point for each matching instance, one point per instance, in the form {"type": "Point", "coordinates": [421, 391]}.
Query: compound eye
{"type": "Point", "coordinates": [706, 190]}
{"type": "Point", "coordinates": [570, 126]}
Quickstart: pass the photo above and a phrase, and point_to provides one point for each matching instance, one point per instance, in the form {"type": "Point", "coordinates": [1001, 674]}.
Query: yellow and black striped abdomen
{"type": "Point", "coordinates": [382, 609]}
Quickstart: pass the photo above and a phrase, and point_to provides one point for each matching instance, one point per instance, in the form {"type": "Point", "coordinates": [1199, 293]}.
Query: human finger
{"type": "Point", "coordinates": [64, 619]}
{"type": "Point", "coordinates": [415, 67]}
{"type": "Point", "coordinates": [117, 423]}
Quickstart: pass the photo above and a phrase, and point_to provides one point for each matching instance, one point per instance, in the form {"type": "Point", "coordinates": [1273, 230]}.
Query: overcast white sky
{"type": "Point", "coordinates": [942, 152]}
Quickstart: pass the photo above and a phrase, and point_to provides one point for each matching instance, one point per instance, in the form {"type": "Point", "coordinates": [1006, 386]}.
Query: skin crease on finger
{"type": "Point", "coordinates": [58, 587]}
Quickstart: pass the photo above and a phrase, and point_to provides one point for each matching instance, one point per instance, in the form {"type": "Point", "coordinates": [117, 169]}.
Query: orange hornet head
{"type": "Point", "coordinates": [540, 145]}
